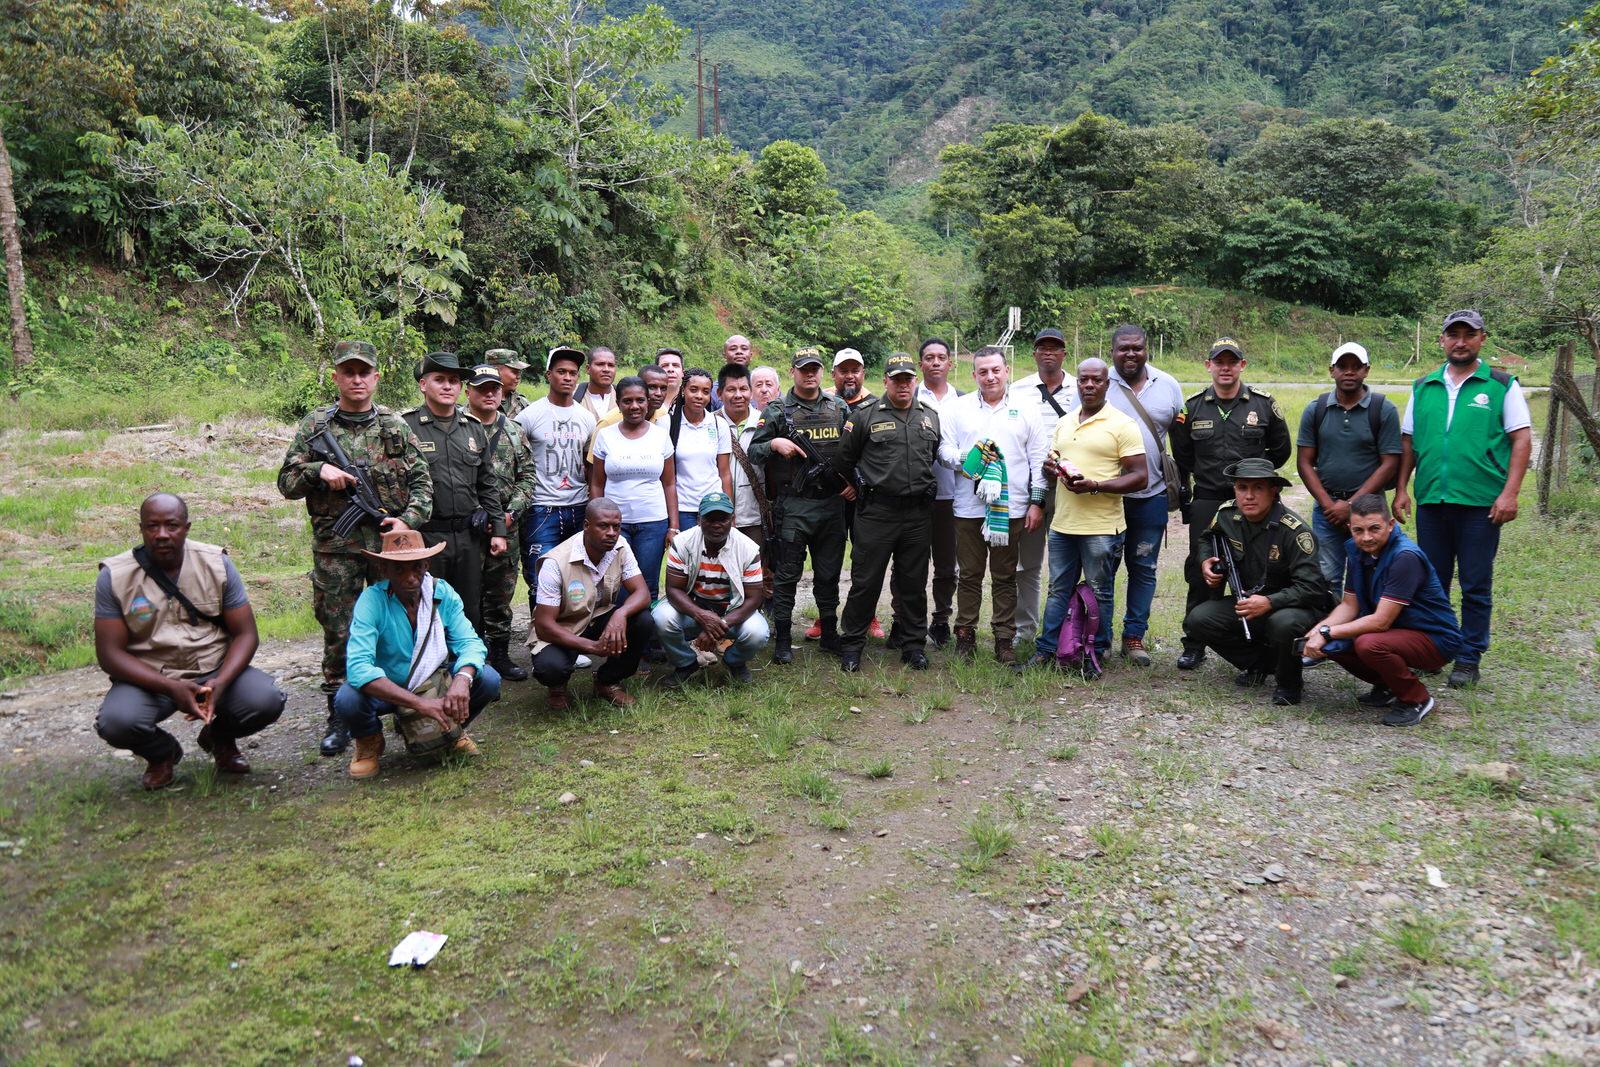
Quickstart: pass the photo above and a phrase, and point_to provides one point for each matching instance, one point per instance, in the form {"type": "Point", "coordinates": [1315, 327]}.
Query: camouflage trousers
{"type": "Point", "coordinates": [500, 575]}
{"type": "Point", "coordinates": [337, 579]}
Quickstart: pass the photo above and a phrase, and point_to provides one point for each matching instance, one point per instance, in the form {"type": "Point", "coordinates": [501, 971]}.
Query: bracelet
{"type": "Point", "coordinates": [1096, 490]}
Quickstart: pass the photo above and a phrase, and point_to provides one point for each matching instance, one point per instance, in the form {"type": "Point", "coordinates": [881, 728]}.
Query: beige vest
{"type": "Point", "coordinates": [159, 632]}
{"type": "Point", "coordinates": [583, 600]}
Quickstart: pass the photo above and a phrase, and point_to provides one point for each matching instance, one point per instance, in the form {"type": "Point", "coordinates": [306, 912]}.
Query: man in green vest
{"type": "Point", "coordinates": [1465, 442]}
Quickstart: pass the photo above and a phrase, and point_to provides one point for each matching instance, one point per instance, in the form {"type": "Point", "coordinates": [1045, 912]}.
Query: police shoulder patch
{"type": "Point", "coordinates": [1293, 522]}
{"type": "Point", "coordinates": [849, 425]}
{"type": "Point", "coordinates": [1306, 542]}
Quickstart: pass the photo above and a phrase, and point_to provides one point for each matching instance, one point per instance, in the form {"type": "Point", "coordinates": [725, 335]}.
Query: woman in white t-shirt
{"type": "Point", "coordinates": [633, 467]}
{"type": "Point", "coordinates": [702, 447]}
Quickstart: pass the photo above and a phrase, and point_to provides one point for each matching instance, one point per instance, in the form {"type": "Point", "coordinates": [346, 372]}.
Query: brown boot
{"type": "Point", "coordinates": [614, 695]}
{"type": "Point", "coordinates": [158, 775]}
{"type": "Point", "coordinates": [465, 746]}
{"type": "Point", "coordinates": [556, 698]}
{"type": "Point", "coordinates": [966, 641]}
{"type": "Point", "coordinates": [1003, 652]}
{"type": "Point", "coordinates": [369, 749]}
{"type": "Point", "coordinates": [224, 750]}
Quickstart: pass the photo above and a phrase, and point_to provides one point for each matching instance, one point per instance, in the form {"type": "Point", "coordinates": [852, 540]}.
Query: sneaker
{"type": "Point", "coordinates": [680, 676]}
{"type": "Point", "coordinates": [1134, 651]}
{"type": "Point", "coordinates": [850, 662]}
{"type": "Point", "coordinates": [1403, 714]}
{"type": "Point", "coordinates": [1379, 696]}
{"type": "Point", "coordinates": [876, 629]}
{"type": "Point", "coordinates": [1041, 662]}
{"type": "Point", "coordinates": [815, 633]}
{"type": "Point", "coordinates": [1463, 676]}
{"type": "Point", "coordinates": [939, 634]}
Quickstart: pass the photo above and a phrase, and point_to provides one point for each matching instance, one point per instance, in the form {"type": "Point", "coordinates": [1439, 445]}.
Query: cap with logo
{"type": "Point", "coordinates": [1349, 348]}
{"type": "Point", "coordinates": [1225, 344]}
{"type": "Point", "coordinates": [483, 374]}
{"type": "Point", "coordinates": [567, 353]}
{"type": "Point", "coordinates": [504, 357]}
{"type": "Point", "coordinates": [1256, 470]}
{"type": "Point", "coordinates": [716, 504]}
{"type": "Point", "coordinates": [1466, 315]}
{"type": "Point", "coordinates": [443, 362]}
{"type": "Point", "coordinates": [848, 355]}
{"type": "Point", "coordinates": [899, 363]}
{"type": "Point", "coordinates": [806, 357]}
{"type": "Point", "coordinates": [1049, 334]}
{"type": "Point", "coordinates": [356, 350]}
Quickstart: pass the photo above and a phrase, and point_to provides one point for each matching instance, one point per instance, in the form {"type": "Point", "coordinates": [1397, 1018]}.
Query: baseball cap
{"type": "Point", "coordinates": [805, 357]}
{"type": "Point", "coordinates": [1225, 344]}
{"type": "Point", "coordinates": [444, 362]}
{"type": "Point", "coordinates": [899, 363]}
{"type": "Point", "coordinates": [1466, 315]}
{"type": "Point", "coordinates": [1049, 334]}
{"type": "Point", "coordinates": [845, 355]}
{"type": "Point", "coordinates": [504, 357]}
{"type": "Point", "coordinates": [566, 352]}
{"type": "Point", "coordinates": [484, 374]}
{"type": "Point", "coordinates": [714, 503]}
{"type": "Point", "coordinates": [1349, 348]}
{"type": "Point", "coordinates": [357, 350]}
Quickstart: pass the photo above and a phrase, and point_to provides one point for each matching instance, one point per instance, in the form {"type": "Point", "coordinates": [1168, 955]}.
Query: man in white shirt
{"type": "Point", "coordinates": [1008, 429]}
{"type": "Point", "coordinates": [557, 429]}
{"type": "Point", "coordinates": [1051, 393]}
{"type": "Point", "coordinates": [935, 361]}
{"type": "Point", "coordinates": [597, 395]}
{"type": "Point", "coordinates": [713, 595]}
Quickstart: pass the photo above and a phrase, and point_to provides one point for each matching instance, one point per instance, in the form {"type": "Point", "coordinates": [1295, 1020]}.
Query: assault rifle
{"type": "Point", "coordinates": [364, 503]}
{"type": "Point", "coordinates": [816, 471]}
{"type": "Point", "coordinates": [1230, 573]}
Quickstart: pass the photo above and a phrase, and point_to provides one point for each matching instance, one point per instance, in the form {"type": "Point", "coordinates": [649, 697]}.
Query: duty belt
{"type": "Point", "coordinates": [915, 500]}
{"type": "Point", "coordinates": [454, 524]}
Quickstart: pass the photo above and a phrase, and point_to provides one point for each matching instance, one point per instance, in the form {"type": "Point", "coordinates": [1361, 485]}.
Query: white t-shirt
{"type": "Point", "coordinates": [557, 436]}
{"type": "Point", "coordinates": [697, 452]}
{"type": "Point", "coordinates": [943, 477]}
{"type": "Point", "coordinates": [633, 471]}
{"type": "Point", "coordinates": [547, 590]}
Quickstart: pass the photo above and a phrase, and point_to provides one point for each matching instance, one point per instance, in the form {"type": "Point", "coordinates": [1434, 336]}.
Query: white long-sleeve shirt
{"type": "Point", "coordinates": [1014, 425]}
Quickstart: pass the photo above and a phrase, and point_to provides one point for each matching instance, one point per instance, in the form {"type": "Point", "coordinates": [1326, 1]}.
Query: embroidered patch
{"type": "Point", "coordinates": [1273, 554]}
{"type": "Point", "coordinates": [472, 444]}
{"type": "Point", "coordinates": [426, 446]}
{"type": "Point", "coordinates": [141, 610]}
{"type": "Point", "coordinates": [1481, 400]}
{"type": "Point", "coordinates": [575, 592]}
{"type": "Point", "coordinates": [1252, 419]}
{"type": "Point", "coordinates": [1307, 543]}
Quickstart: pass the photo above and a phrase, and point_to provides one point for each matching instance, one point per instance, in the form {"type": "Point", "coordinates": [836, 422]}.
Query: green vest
{"type": "Point", "coordinates": [1468, 461]}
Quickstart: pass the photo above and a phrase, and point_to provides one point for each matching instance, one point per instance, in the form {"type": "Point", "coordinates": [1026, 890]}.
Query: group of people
{"type": "Point", "coordinates": [725, 484]}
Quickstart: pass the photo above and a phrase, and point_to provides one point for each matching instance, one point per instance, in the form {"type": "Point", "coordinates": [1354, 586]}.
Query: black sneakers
{"type": "Point", "coordinates": [680, 676]}
{"type": "Point", "coordinates": [1403, 714]}
{"type": "Point", "coordinates": [1463, 676]}
{"type": "Point", "coordinates": [1191, 658]}
{"type": "Point", "coordinates": [1379, 696]}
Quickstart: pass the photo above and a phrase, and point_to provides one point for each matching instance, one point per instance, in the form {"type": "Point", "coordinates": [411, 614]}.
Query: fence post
{"type": "Point", "coordinates": [1553, 431]}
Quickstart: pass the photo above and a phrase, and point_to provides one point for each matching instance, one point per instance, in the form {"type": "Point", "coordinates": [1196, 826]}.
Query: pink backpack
{"type": "Point", "coordinates": [1075, 647]}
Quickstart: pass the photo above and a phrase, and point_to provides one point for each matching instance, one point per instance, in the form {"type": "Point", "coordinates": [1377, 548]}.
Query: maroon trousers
{"type": "Point", "coordinates": [1392, 659]}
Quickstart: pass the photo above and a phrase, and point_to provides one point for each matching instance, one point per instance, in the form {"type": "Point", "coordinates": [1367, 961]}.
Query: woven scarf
{"type": "Point", "coordinates": [987, 467]}
{"type": "Point", "coordinates": [428, 650]}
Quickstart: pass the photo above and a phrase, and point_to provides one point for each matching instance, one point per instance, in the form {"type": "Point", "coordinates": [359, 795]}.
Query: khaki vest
{"type": "Point", "coordinates": [583, 600]}
{"type": "Point", "coordinates": [159, 632]}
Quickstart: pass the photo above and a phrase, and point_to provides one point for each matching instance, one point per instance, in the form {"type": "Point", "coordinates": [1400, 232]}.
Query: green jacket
{"type": "Point", "coordinates": [1468, 461]}
{"type": "Point", "coordinates": [457, 452]}
{"type": "Point", "coordinates": [513, 464]}
{"type": "Point", "coordinates": [1277, 557]}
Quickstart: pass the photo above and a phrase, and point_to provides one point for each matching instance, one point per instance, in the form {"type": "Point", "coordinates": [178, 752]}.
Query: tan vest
{"type": "Point", "coordinates": [583, 600]}
{"type": "Point", "coordinates": [159, 632]}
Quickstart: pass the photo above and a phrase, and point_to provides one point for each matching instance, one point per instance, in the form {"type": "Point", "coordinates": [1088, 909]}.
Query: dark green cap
{"type": "Point", "coordinates": [1256, 469]}
{"type": "Point", "coordinates": [899, 363]}
{"type": "Point", "coordinates": [445, 362]}
{"type": "Point", "coordinates": [713, 503]}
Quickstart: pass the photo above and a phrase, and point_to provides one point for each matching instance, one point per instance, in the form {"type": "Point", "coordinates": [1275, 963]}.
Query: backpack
{"type": "Point", "coordinates": [1319, 408]}
{"type": "Point", "coordinates": [1075, 646]}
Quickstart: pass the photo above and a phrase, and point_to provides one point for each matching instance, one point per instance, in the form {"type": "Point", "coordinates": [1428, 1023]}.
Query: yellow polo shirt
{"type": "Point", "coordinates": [1096, 446]}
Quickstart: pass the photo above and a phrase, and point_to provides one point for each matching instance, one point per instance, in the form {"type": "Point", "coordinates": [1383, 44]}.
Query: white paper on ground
{"type": "Point", "coordinates": [1435, 878]}
{"type": "Point", "coordinates": [418, 948]}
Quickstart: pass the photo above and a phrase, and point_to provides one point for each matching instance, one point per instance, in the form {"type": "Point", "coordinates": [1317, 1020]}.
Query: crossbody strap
{"type": "Point", "coordinates": [141, 556]}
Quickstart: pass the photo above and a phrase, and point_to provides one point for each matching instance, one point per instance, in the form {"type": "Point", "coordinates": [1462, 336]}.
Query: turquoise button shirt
{"type": "Point", "coordinates": [382, 637]}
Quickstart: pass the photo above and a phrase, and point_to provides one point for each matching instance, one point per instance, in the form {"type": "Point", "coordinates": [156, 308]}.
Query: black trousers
{"type": "Point", "coordinates": [1201, 512]}
{"type": "Point", "coordinates": [885, 531]}
{"type": "Point", "coordinates": [1272, 636]}
{"type": "Point", "coordinates": [461, 564]}
{"type": "Point", "coordinates": [553, 664]}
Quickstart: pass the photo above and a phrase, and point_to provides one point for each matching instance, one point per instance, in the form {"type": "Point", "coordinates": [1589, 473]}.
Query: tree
{"type": "Point", "coordinates": [792, 180]}
{"type": "Point", "coordinates": [1291, 250]}
{"type": "Point", "coordinates": [838, 281]}
{"type": "Point", "coordinates": [1335, 164]}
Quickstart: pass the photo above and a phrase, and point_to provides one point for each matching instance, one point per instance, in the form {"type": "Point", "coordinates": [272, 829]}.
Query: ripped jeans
{"type": "Point", "coordinates": [1141, 551]}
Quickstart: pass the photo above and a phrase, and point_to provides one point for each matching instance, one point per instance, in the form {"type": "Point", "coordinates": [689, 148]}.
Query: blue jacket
{"type": "Point", "coordinates": [1429, 611]}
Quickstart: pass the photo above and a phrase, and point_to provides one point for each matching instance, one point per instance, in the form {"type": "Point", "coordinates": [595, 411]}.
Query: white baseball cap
{"type": "Point", "coordinates": [1350, 348]}
{"type": "Point", "coordinates": [845, 355]}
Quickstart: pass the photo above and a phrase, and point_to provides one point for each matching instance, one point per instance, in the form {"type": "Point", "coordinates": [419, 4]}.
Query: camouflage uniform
{"type": "Point", "coordinates": [513, 404]}
{"type": "Point", "coordinates": [339, 571]}
{"type": "Point", "coordinates": [514, 477]}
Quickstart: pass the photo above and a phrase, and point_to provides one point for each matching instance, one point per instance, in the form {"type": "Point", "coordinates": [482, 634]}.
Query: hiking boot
{"type": "Point", "coordinates": [916, 661]}
{"type": "Point", "coordinates": [815, 633]}
{"type": "Point", "coordinates": [1463, 676]}
{"type": "Point", "coordinates": [939, 634]}
{"type": "Point", "coordinates": [781, 651]}
{"type": "Point", "coordinates": [369, 749]}
{"type": "Point", "coordinates": [966, 641]}
{"type": "Point", "coordinates": [876, 629]}
{"type": "Point", "coordinates": [680, 675]}
{"type": "Point", "coordinates": [465, 746]}
{"type": "Point", "coordinates": [1191, 658]}
{"type": "Point", "coordinates": [159, 773]}
{"type": "Point", "coordinates": [1379, 696]}
{"type": "Point", "coordinates": [1133, 651]}
{"type": "Point", "coordinates": [829, 641]}
{"type": "Point", "coordinates": [1403, 714]}
{"type": "Point", "coordinates": [500, 660]}
{"type": "Point", "coordinates": [614, 695]}
{"type": "Point", "coordinates": [224, 750]}
{"type": "Point", "coordinates": [337, 739]}
{"type": "Point", "coordinates": [1003, 651]}
{"type": "Point", "coordinates": [557, 698]}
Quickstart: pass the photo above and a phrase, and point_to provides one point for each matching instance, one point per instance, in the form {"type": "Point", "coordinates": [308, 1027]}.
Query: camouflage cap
{"type": "Point", "coordinates": [504, 357]}
{"type": "Point", "coordinates": [358, 350]}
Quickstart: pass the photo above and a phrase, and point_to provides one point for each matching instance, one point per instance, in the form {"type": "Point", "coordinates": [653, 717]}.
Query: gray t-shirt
{"type": "Point", "coordinates": [106, 606]}
{"type": "Point", "coordinates": [558, 437]}
{"type": "Point", "coordinates": [1347, 453]}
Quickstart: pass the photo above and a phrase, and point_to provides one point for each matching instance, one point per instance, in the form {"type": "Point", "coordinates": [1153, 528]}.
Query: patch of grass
{"type": "Point", "coordinates": [1419, 937]}
{"type": "Point", "coordinates": [814, 784]}
{"type": "Point", "coordinates": [1352, 964]}
{"type": "Point", "coordinates": [1558, 841]}
{"type": "Point", "coordinates": [833, 819]}
{"type": "Point", "coordinates": [989, 840]}
{"type": "Point", "coordinates": [1116, 843]}
{"type": "Point", "coordinates": [776, 736]}
{"type": "Point", "coordinates": [1064, 753]}
{"type": "Point", "coordinates": [879, 768]}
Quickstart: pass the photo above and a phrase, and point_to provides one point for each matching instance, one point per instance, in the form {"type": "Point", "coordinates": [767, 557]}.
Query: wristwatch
{"type": "Point", "coordinates": [1326, 632]}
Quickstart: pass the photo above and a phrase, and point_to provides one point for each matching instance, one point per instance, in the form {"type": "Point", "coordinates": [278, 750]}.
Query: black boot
{"type": "Point", "coordinates": [781, 651]}
{"type": "Point", "coordinates": [500, 660]}
{"type": "Point", "coordinates": [829, 641]}
{"type": "Point", "coordinates": [337, 738]}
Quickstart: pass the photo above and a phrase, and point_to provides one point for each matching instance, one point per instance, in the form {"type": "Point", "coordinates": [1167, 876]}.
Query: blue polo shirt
{"type": "Point", "coordinates": [1402, 574]}
{"type": "Point", "coordinates": [382, 637]}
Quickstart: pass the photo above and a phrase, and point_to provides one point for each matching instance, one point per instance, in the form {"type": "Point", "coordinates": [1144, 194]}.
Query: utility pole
{"type": "Point", "coordinates": [700, 84]}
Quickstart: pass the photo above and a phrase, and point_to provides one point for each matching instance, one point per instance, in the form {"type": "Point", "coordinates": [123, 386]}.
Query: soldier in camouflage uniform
{"type": "Point", "coordinates": [400, 474]}
{"type": "Point", "coordinates": [514, 475]}
{"type": "Point", "coordinates": [510, 367]}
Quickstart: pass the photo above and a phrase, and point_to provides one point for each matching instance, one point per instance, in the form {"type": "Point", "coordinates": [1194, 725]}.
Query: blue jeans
{"type": "Point", "coordinates": [1141, 551]}
{"type": "Point", "coordinates": [675, 630]}
{"type": "Point", "coordinates": [543, 528]}
{"type": "Point", "coordinates": [1091, 556]}
{"type": "Point", "coordinates": [1459, 536]}
{"type": "Point", "coordinates": [649, 543]}
{"type": "Point", "coordinates": [362, 714]}
{"type": "Point", "coordinates": [1331, 540]}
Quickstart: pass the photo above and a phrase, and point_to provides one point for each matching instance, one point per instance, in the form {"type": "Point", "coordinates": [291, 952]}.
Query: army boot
{"type": "Point", "coordinates": [500, 660]}
{"type": "Point", "coordinates": [337, 738]}
{"type": "Point", "coordinates": [829, 641]}
{"type": "Point", "coordinates": [781, 651]}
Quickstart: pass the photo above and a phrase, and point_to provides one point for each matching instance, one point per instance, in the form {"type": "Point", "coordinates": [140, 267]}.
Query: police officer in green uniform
{"type": "Point", "coordinates": [510, 367]}
{"type": "Point", "coordinates": [892, 445]}
{"type": "Point", "coordinates": [467, 505]}
{"type": "Point", "coordinates": [1284, 591]}
{"type": "Point", "coordinates": [1218, 426]}
{"type": "Point", "coordinates": [808, 497]}
{"type": "Point", "coordinates": [514, 477]}
{"type": "Point", "coordinates": [340, 570]}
